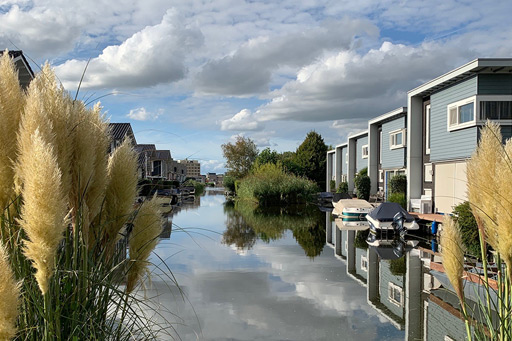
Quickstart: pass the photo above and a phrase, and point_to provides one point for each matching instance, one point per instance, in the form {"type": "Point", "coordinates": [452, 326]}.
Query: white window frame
{"type": "Point", "coordinates": [381, 175]}
{"type": "Point", "coordinates": [427, 129]}
{"type": "Point", "coordinates": [391, 288]}
{"type": "Point", "coordinates": [428, 172]}
{"type": "Point", "coordinates": [457, 105]}
{"type": "Point", "coordinates": [364, 263]}
{"type": "Point", "coordinates": [380, 146]}
{"type": "Point", "coordinates": [363, 149]}
{"type": "Point", "coordinates": [392, 139]}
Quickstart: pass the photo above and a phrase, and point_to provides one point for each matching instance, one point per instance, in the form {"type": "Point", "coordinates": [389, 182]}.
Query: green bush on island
{"type": "Point", "coordinates": [198, 186]}
{"type": "Point", "coordinates": [270, 185]}
{"type": "Point", "coordinates": [229, 183]}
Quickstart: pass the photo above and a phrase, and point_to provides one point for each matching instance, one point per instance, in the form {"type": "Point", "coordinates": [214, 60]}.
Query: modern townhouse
{"type": "Point", "coordinates": [387, 149]}
{"type": "Point", "coordinates": [331, 169]}
{"type": "Point", "coordinates": [25, 73]}
{"type": "Point", "coordinates": [443, 127]}
{"type": "Point", "coordinates": [358, 152]}
{"type": "Point", "coordinates": [341, 162]}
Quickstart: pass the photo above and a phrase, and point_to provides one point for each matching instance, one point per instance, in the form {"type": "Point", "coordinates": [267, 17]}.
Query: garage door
{"type": "Point", "coordinates": [450, 185]}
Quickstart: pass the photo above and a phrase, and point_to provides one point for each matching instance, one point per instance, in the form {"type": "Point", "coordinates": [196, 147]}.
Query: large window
{"type": "Point", "coordinates": [157, 168]}
{"type": "Point", "coordinates": [477, 109]}
{"type": "Point", "coordinates": [461, 114]}
{"type": "Point", "coordinates": [395, 294]}
{"type": "Point", "coordinates": [397, 139]}
{"type": "Point", "coordinates": [365, 151]}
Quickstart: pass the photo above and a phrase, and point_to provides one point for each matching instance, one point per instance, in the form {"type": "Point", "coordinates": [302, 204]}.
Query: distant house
{"type": "Point", "coordinates": [145, 151]}
{"type": "Point", "coordinates": [118, 132]}
{"type": "Point", "coordinates": [25, 73]}
{"type": "Point", "coordinates": [193, 167]}
{"type": "Point", "coordinates": [387, 148]}
{"type": "Point", "coordinates": [179, 171]}
{"type": "Point", "coordinates": [357, 156]}
{"type": "Point", "coordinates": [443, 124]}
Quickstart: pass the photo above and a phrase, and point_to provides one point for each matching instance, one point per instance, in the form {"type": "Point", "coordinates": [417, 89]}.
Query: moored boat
{"type": "Point", "coordinates": [391, 216]}
{"type": "Point", "coordinates": [352, 209]}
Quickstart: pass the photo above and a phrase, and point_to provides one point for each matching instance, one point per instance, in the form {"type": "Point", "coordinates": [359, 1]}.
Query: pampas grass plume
{"type": "Point", "coordinates": [9, 294]}
{"type": "Point", "coordinates": [121, 190]}
{"type": "Point", "coordinates": [453, 255]}
{"type": "Point", "coordinates": [44, 211]}
{"type": "Point", "coordinates": [11, 106]}
{"type": "Point", "coordinates": [482, 184]}
{"type": "Point", "coordinates": [504, 207]}
{"type": "Point", "coordinates": [147, 227]}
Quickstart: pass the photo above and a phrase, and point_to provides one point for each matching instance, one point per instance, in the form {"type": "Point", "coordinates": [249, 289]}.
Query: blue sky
{"type": "Point", "coordinates": [190, 75]}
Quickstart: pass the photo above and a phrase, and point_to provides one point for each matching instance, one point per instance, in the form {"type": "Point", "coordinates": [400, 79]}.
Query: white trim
{"type": "Point", "coordinates": [360, 134]}
{"type": "Point", "coordinates": [427, 172]}
{"type": "Point", "coordinates": [391, 288]}
{"type": "Point", "coordinates": [477, 120]}
{"type": "Point", "coordinates": [363, 148]}
{"type": "Point", "coordinates": [427, 129]}
{"type": "Point", "coordinates": [393, 144]}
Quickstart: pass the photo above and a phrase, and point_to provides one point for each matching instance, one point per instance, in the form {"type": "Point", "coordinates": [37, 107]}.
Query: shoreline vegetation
{"type": "Point", "coordinates": [67, 218]}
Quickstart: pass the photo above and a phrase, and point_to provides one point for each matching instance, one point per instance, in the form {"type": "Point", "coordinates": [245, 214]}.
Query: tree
{"type": "Point", "coordinates": [239, 156]}
{"type": "Point", "coordinates": [311, 158]}
{"type": "Point", "coordinates": [267, 156]}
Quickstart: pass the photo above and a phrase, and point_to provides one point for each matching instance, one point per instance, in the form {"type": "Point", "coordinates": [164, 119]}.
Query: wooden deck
{"type": "Point", "coordinates": [428, 216]}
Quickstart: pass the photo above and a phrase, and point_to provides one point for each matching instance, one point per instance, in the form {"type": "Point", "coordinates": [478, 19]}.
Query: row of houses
{"type": "Point", "coordinates": [154, 163]}
{"type": "Point", "coordinates": [403, 290]}
{"type": "Point", "coordinates": [432, 138]}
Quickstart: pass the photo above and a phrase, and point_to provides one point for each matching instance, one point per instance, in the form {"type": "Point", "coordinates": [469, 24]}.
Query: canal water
{"type": "Point", "coordinates": [250, 274]}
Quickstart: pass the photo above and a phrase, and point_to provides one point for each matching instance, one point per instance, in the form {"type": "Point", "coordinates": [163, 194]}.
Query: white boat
{"type": "Point", "coordinates": [352, 224]}
{"type": "Point", "coordinates": [352, 209]}
{"type": "Point", "coordinates": [386, 216]}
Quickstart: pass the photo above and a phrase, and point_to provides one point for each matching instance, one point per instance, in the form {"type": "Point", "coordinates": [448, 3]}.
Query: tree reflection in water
{"type": "Point", "coordinates": [247, 222]}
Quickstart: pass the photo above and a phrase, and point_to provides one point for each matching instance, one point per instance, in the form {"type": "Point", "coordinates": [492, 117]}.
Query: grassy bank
{"type": "Point", "coordinates": [270, 185]}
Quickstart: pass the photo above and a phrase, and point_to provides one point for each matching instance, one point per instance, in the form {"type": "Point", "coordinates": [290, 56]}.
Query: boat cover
{"type": "Point", "coordinates": [387, 210]}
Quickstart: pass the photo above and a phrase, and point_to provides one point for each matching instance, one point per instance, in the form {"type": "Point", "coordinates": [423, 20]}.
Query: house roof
{"type": "Point", "coordinates": [477, 66]}
{"type": "Point", "coordinates": [144, 148]}
{"type": "Point", "coordinates": [120, 130]}
{"type": "Point", "coordinates": [358, 135]}
{"type": "Point", "coordinates": [342, 145]}
{"type": "Point", "coordinates": [161, 154]}
{"type": "Point", "coordinates": [393, 114]}
{"type": "Point", "coordinates": [25, 73]}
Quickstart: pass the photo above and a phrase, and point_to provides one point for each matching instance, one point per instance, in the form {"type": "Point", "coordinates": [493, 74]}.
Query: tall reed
{"type": "Point", "coordinates": [59, 187]}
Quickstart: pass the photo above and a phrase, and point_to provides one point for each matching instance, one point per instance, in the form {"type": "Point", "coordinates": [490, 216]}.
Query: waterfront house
{"type": "Point", "coordinates": [357, 156]}
{"type": "Point", "coordinates": [341, 163]}
{"type": "Point", "coordinates": [443, 124]}
{"type": "Point", "coordinates": [387, 149]}
{"type": "Point", "coordinates": [331, 170]}
{"type": "Point", "coordinates": [25, 73]}
{"type": "Point", "coordinates": [118, 132]}
{"type": "Point", "coordinates": [144, 151]}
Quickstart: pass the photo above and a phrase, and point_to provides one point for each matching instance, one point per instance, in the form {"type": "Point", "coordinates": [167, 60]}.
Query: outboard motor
{"type": "Point", "coordinates": [398, 224]}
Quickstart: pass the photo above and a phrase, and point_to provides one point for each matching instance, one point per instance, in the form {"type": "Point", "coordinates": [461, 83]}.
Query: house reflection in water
{"type": "Point", "coordinates": [404, 289]}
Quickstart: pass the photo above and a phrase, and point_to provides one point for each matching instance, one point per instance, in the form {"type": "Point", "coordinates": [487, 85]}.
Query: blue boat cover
{"type": "Point", "coordinates": [387, 210]}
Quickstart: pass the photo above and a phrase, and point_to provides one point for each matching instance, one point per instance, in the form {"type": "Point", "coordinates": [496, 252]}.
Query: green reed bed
{"type": "Point", "coordinates": [270, 185]}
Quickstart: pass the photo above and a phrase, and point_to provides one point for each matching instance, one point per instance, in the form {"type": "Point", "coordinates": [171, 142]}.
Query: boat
{"type": "Point", "coordinates": [390, 248]}
{"type": "Point", "coordinates": [355, 209]}
{"type": "Point", "coordinates": [352, 224]}
{"type": "Point", "coordinates": [391, 216]}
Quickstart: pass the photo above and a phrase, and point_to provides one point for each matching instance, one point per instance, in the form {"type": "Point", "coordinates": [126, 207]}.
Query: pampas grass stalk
{"type": "Point", "coordinates": [44, 211]}
{"type": "Point", "coordinates": [144, 237]}
{"type": "Point", "coordinates": [121, 191]}
{"type": "Point", "coordinates": [11, 107]}
{"type": "Point", "coordinates": [453, 262]}
{"type": "Point", "coordinates": [9, 294]}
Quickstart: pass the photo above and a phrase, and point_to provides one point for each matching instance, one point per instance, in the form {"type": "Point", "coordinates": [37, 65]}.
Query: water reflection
{"type": "Point", "coordinates": [246, 223]}
{"type": "Point", "coordinates": [403, 278]}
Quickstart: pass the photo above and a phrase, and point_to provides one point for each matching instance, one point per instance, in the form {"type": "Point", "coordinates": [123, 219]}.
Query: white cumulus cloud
{"type": "Point", "coordinates": [141, 114]}
{"type": "Point", "coordinates": [244, 120]}
{"type": "Point", "coordinates": [152, 56]}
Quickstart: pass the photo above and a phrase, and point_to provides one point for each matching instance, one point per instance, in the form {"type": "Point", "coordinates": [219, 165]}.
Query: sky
{"type": "Point", "coordinates": [190, 75]}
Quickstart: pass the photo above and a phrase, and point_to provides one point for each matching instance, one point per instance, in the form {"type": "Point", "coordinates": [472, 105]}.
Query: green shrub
{"type": "Point", "coordinates": [397, 266]}
{"type": "Point", "coordinates": [399, 198]}
{"type": "Point", "coordinates": [360, 239]}
{"type": "Point", "coordinates": [363, 186]}
{"type": "Point", "coordinates": [332, 185]}
{"type": "Point", "coordinates": [468, 228]}
{"type": "Point", "coordinates": [398, 184]}
{"type": "Point", "coordinates": [343, 187]}
{"type": "Point", "coordinates": [229, 183]}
